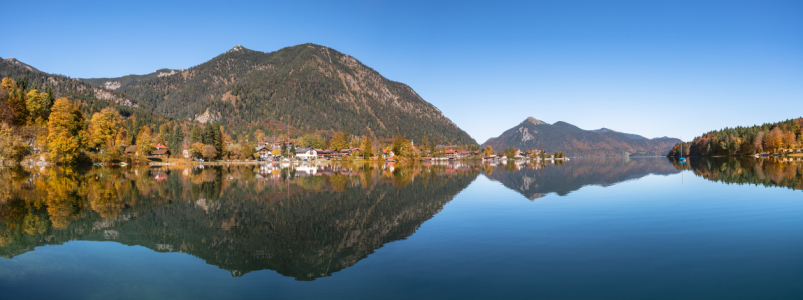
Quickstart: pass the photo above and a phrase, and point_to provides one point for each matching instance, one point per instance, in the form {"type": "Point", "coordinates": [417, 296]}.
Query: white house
{"type": "Point", "coordinates": [306, 154]}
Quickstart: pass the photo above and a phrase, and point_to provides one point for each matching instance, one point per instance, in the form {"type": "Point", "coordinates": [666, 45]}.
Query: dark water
{"type": "Point", "coordinates": [646, 228]}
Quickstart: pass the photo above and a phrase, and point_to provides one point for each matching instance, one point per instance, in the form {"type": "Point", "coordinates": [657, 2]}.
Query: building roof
{"type": "Point", "coordinates": [161, 151]}
{"type": "Point", "coordinates": [132, 149]}
{"type": "Point", "coordinates": [160, 146]}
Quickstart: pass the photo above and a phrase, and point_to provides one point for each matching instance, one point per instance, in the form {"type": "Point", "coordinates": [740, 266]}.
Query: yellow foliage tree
{"type": "Point", "coordinates": [36, 106]}
{"type": "Point", "coordinates": [104, 128]}
{"type": "Point", "coordinates": [338, 141]}
{"type": "Point", "coordinates": [65, 130]}
{"type": "Point", "coordinates": [145, 140]}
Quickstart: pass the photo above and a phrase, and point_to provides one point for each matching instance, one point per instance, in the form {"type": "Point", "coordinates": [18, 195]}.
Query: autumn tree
{"type": "Point", "coordinates": [209, 152]}
{"type": "Point", "coordinates": [15, 102]}
{"type": "Point", "coordinates": [774, 140]}
{"type": "Point", "coordinates": [37, 105]}
{"type": "Point", "coordinates": [145, 140]}
{"type": "Point", "coordinates": [366, 148]}
{"type": "Point", "coordinates": [338, 141]}
{"type": "Point", "coordinates": [488, 151]}
{"type": "Point", "coordinates": [12, 147]}
{"type": "Point", "coordinates": [196, 149]}
{"type": "Point", "coordinates": [104, 128]}
{"type": "Point", "coordinates": [259, 135]}
{"type": "Point", "coordinates": [65, 129]}
{"type": "Point", "coordinates": [401, 146]}
{"type": "Point", "coordinates": [248, 150]}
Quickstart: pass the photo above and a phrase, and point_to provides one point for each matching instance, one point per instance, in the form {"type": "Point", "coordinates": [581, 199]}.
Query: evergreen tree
{"type": "Point", "coordinates": [176, 140]}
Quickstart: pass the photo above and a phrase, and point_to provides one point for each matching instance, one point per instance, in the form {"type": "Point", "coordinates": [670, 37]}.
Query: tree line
{"type": "Point", "coordinates": [766, 138]}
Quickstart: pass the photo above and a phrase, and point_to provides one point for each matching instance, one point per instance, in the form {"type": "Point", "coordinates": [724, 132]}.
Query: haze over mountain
{"type": "Point", "coordinates": [307, 86]}
{"type": "Point", "coordinates": [574, 141]}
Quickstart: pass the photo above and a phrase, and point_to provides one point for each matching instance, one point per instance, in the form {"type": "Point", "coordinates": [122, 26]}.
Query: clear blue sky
{"type": "Point", "coordinates": [655, 68]}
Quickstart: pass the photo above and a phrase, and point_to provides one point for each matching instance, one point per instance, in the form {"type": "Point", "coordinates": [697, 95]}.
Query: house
{"type": "Point", "coordinates": [161, 152]}
{"type": "Point", "coordinates": [264, 152]}
{"type": "Point", "coordinates": [185, 150]}
{"type": "Point", "coordinates": [132, 150]}
{"type": "Point", "coordinates": [326, 154]}
{"type": "Point", "coordinates": [348, 151]}
{"type": "Point", "coordinates": [306, 153]}
{"type": "Point", "coordinates": [451, 153]}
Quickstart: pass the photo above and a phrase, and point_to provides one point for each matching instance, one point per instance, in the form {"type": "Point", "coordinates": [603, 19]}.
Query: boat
{"type": "Point", "coordinates": [122, 164]}
{"type": "Point", "coordinates": [682, 159]}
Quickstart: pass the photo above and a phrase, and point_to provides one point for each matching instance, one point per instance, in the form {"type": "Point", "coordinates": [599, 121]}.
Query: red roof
{"type": "Point", "coordinates": [451, 151]}
{"type": "Point", "coordinates": [160, 146]}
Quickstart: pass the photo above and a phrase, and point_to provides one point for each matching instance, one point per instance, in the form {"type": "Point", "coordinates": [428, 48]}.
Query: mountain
{"type": "Point", "coordinates": [62, 86]}
{"type": "Point", "coordinates": [574, 142]}
{"type": "Point", "coordinates": [630, 135]}
{"type": "Point", "coordinates": [305, 86]}
{"type": "Point", "coordinates": [128, 80]}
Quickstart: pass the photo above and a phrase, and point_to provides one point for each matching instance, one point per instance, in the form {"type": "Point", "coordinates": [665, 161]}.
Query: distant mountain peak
{"type": "Point", "coordinates": [22, 64]}
{"type": "Point", "coordinates": [603, 130]}
{"type": "Point", "coordinates": [536, 121]}
{"type": "Point", "coordinates": [236, 48]}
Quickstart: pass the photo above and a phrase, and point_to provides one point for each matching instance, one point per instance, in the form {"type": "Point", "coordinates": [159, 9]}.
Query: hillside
{"type": "Point", "coordinates": [128, 80]}
{"type": "Point", "coordinates": [305, 86]}
{"type": "Point", "coordinates": [576, 142]}
{"type": "Point", "coordinates": [62, 86]}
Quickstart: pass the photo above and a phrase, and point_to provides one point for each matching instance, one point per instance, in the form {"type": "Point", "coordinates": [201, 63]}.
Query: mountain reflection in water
{"type": "Point", "coordinates": [305, 222]}
{"type": "Point", "coordinates": [538, 179]}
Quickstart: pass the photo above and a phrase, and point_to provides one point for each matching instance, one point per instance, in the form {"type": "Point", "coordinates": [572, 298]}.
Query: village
{"type": "Point", "coordinates": [286, 151]}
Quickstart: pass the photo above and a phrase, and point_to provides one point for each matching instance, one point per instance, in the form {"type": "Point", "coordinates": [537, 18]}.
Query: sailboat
{"type": "Point", "coordinates": [682, 159]}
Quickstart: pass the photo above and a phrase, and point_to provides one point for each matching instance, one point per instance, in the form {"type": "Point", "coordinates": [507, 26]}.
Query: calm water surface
{"type": "Point", "coordinates": [646, 228]}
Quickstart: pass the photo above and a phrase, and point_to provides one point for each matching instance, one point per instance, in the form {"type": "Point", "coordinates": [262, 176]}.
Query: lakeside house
{"type": "Point", "coordinates": [306, 153]}
{"type": "Point", "coordinates": [264, 152]}
{"type": "Point", "coordinates": [161, 151]}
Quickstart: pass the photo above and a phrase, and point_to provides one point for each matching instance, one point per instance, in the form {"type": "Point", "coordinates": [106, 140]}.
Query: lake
{"type": "Point", "coordinates": [615, 228]}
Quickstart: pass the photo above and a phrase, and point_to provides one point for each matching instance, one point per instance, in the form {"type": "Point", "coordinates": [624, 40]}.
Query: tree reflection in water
{"type": "Point", "coordinates": [304, 222]}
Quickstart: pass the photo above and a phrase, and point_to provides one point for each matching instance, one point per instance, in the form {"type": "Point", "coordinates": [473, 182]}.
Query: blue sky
{"type": "Point", "coordinates": [655, 68]}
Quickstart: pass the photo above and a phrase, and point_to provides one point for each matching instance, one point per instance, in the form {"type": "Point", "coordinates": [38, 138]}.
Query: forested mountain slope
{"type": "Point", "coordinates": [573, 141]}
{"type": "Point", "coordinates": [62, 86]}
{"type": "Point", "coordinates": [305, 86]}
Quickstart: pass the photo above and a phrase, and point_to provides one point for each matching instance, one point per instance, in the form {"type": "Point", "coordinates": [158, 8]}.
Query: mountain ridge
{"type": "Point", "coordinates": [307, 86]}
{"type": "Point", "coordinates": [575, 141]}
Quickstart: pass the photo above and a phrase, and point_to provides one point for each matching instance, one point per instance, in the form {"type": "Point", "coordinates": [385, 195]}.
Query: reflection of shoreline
{"type": "Point", "coordinates": [304, 226]}
{"type": "Point", "coordinates": [538, 180]}
{"type": "Point", "coordinates": [766, 171]}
